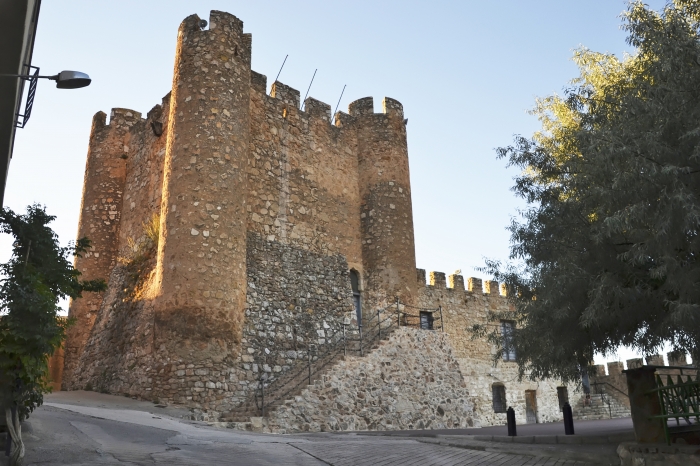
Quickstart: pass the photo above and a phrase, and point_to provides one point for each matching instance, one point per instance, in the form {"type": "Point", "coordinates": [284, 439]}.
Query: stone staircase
{"type": "Point", "coordinates": [282, 391]}
{"type": "Point", "coordinates": [601, 406]}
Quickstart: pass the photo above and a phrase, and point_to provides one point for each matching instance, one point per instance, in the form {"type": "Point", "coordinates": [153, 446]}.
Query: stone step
{"type": "Point", "coordinates": [247, 410]}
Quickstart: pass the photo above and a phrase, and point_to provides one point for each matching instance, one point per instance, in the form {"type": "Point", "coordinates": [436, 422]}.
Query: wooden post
{"type": "Point", "coordinates": [510, 417]}
{"type": "Point", "coordinates": [568, 419]}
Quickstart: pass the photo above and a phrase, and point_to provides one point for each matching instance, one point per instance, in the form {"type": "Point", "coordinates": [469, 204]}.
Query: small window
{"type": "Point", "coordinates": [426, 320]}
{"type": "Point", "coordinates": [507, 329]}
{"type": "Point", "coordinates": [356, 298]}
{"type": "Point", "coordinates": [499, 397]}
{"type": "Point", "coordinates": [563, 395]}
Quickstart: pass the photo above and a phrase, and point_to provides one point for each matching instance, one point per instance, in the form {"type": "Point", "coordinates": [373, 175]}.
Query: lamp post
{"type": "Point", "coordinates": [64, 80]}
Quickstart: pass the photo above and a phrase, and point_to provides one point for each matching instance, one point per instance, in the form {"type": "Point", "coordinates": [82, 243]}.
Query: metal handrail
{"type": "Point", "coordinates": [337, 343]}
{"type": "Point", "coordinates": [329, 354]}
{"type": "Point", "coordinates": [611, 386]}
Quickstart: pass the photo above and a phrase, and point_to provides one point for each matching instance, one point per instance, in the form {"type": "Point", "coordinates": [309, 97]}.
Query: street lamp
{"type": "Point", "coordinates": [64, 80]}
{"type": "Point", "coordinates": [70, 79]}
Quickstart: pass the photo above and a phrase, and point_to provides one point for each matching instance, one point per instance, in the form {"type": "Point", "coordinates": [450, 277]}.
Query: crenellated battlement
{"type": "Point", "coordinates": [342, 119]}
{"type": "Point", "coordinates": [455, 282]}
{"type": "Point", "coordinates": [437, 279]}
{"type": "Point", "coordinates": [123, 117]}
{"type": "Point", "coordinates": [316, 108]}
{"type": "Point", "coordinates": [475, 285]}
{"type": "Point", "coordinates": [365, 106]}
{"type": "Point", "coordinates": [360, 107]}
{"type": "Point", "coordinates": [392, 107]}
{"type": "Point", "coordinates": [258, 81]}
{"type": "Point", "coordinates": [286, 94]}
{"type": "Point", "coordinates": [615, 368]}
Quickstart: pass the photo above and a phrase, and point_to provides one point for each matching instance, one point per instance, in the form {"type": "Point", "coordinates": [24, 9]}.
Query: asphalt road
{"type": "Point", "coordinates": [92, 429]}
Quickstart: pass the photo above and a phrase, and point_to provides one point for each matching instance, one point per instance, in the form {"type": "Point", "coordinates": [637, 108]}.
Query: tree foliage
{"type": "Point", "coordinates": [34, 280]}
{"type": "Point", "coordinates": [608, 249]}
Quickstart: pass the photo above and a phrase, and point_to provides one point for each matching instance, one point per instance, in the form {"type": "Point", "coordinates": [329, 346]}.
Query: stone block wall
{"type": "Point", "coordinates": [412, 381]}
{"type": "Point", "coordinates": [460, 310]}
{"type": "Point", "coordinates": [296, 298]}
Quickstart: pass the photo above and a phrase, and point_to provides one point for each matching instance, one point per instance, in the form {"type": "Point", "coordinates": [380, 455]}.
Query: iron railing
{"type": "Point", "coordinates": [679, 399]}
{"type": "Point", "coordinates": [272, 392]}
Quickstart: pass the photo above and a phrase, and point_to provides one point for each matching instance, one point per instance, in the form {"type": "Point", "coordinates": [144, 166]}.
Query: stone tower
{"type": "Point", "coordinates": [388, 249]}
{"type": "Point", "coordinates": [264, 206]}
{"type": "Point", "coordinates": [201, 267]}
{"type": "Point", "coordinates": [100, 215]}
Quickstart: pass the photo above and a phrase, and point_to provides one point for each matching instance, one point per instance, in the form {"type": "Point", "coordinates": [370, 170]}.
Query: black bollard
{"type": "Point", "coordinates": [8, 443]}
{"type": "Point", "coordinates": [510, 416]}
{"type": "Point", "coordinates": [568, 419]}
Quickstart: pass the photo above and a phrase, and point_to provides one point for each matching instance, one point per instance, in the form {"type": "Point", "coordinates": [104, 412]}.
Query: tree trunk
{"type": "Point", "coordinates": [14, 430]}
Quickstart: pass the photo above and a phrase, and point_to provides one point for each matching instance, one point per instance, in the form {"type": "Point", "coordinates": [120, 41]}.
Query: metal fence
{"type": "Point", "coordinates": [679, 399]}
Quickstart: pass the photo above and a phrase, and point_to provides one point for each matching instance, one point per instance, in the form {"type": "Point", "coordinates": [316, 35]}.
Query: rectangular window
{"type": "Point", "coordinates": [498, 392]}
{"type": "Point", "coordinates": [426, 320]}
{"type": "Point", "coordinates": [507, 328]}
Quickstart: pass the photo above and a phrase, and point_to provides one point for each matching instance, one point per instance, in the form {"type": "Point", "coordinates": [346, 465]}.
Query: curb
{"type": "Point", "coordinates": [549, 439]}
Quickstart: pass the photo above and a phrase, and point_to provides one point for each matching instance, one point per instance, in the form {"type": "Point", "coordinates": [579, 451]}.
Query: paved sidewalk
{"type": "Point", "coordinates": [598, 428]}
{"type": "Point", "coordinates": [94, 429]}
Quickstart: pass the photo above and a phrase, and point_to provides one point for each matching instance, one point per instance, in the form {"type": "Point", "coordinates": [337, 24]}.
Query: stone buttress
{"type": "Point", "coordinates": [100, 214]}
{"type": "Point", "coordinates": [201, 266]}
{"type": "Point", "coordinates": [388, 250]}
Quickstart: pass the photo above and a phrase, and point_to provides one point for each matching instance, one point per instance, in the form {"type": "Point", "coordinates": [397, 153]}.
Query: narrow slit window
{"type": "Point", "coordinates": [356, 297]}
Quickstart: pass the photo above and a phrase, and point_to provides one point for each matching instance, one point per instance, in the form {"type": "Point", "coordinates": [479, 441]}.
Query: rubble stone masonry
{"type": "Point", "coordinates": [229, 222]}
{"type": "Point", "coordinates": [412, 381]}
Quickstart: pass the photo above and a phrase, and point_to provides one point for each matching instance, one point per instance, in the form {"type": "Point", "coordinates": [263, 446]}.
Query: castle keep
{"type": "Point", "coordinates": [241, 235]}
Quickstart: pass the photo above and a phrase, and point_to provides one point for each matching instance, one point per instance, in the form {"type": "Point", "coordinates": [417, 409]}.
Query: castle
{"type": "Point", "coordinates": [241, 235]}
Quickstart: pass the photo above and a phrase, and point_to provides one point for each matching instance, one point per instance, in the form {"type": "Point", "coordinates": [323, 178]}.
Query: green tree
{"type": "Point", "coordinates": [607, 252]}
{"type": "Point", "coordinates": [35, 279]}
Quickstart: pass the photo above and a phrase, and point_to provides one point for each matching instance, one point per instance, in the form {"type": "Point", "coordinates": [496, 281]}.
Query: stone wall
{"type": "Point", "coordinates": [264, 207]}
{"type": "Point", "coordinates": [462, 308]}
{"type": "Point", "coordinates": [56, 369]}
{"type": "Point", "coordinates": [296, 298]}
{"type": "Point", "coordinates": [303, 175]}
{"type": "Point", "coordinates": [412, 381]}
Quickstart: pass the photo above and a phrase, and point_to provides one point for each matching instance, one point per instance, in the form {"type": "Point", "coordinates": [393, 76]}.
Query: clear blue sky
{"type": "Point", "coordinates": [465, 71]}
